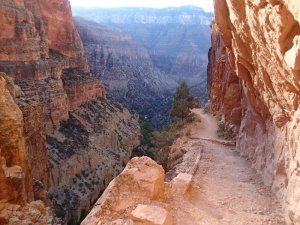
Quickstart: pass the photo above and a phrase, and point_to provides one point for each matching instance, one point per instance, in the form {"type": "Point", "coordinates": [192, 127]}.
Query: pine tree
{"type": "Point", "coordinates": [183, 102]}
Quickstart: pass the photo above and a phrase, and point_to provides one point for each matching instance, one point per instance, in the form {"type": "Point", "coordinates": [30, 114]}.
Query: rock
{"type": "Point", "coordinates": [224, 86]}
{"type": "Point", "coordinates": [142, 180]}
{"type": "Point", "coordinates": [54, 115]}
{"type": "Point", "coordinates": [151, 215]}
{"type": "Point", "coordinates": [181, 183]}
{"type": "Point", "coordinates": [122, 222]}
{"type": "Point", "coordinates": [15, 179]}
{"type": "Point", "coordinates": [88, 151]}
{"type": "Point", "coordinates": [260, 44]}
{"type": "Point", "coordinates": [292, 56]}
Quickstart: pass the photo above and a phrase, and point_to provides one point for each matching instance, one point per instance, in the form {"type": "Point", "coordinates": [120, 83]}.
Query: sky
{"type": "Point", "coordinates": [207, 5]}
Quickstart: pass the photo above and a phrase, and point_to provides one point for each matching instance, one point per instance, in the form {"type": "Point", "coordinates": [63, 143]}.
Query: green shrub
{"type": "Point", "coordinates": [223, 132]}
{"type": "Point", "coordinates": [155, 143]}
{"type": "Point", "coordinates": [183, 102]}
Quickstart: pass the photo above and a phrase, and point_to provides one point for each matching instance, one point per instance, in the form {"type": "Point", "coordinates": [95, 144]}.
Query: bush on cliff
{"type": "Point", "coordinates": [155, 143]}
{"type": "Point", "coordinates": [183, 102]}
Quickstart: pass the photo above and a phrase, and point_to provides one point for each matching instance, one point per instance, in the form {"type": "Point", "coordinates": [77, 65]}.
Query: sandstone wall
{"type": "Point", "coordinates": [262, 47]}
{"type": "Point", "coordinates": [56, 121]}
{"type": "Point", "coordinates": [15, 181]}
{"type": "Point", "coordinates": [224, 86]}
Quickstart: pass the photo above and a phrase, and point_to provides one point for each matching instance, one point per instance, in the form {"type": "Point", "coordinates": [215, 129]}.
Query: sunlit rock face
{"type": "Point", "coordinates": [224, 86]}
{"type": "Point", "coordinates": [262, 48]}
{"type": "Point", "coordinates": [54, 115]}
{"type": "Point", "coordinates": [142, 181]}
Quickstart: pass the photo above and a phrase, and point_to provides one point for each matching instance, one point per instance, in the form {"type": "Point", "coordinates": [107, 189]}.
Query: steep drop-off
{"type": "Point", "coordinates": [127, 71]}
{"type": "Point", "coordinates": [177, 39]}
{"type": "Point", "coordinates": [255, 62]}
{"type": "Point", "coordinates": [54, 115]}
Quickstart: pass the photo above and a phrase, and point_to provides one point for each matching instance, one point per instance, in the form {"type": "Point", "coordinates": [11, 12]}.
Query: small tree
{"type": "Point", "coordinates": [183, 102]}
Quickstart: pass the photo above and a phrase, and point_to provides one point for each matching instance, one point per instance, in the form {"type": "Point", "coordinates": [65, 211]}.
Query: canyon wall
{"type": "Point", "coordinates": [126, 70]}
{"type": "Point", "coordinates": [176, 38]}
{"type": "Point", "coordinates": [141, 61]}
{"type": "Point", "coordinates": [54, 113]}
{"type": "Point", "coordinates": [254, 82]}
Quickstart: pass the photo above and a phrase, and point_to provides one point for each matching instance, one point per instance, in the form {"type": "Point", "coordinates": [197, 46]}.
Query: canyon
{"type": "Point", "coordinates": [142, 54]}
{"type": "Point", "coordinates": [56, 122]}
{"type": "Point", "coordinates": [127, 71]}
{"type": "Point", "coordinates": [176, 39]}
{"type": "Point", "coordinates": [66, 144]}
{"type": "Point", "coordinates": [253, 82]}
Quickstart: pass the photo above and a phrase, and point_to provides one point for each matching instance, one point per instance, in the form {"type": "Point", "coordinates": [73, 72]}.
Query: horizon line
{"type": "Point", "coordinates": [140, 7]}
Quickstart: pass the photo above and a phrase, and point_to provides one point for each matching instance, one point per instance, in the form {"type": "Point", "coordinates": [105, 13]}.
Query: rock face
{"type": "Point", "coordinates": [87, 152]}
{"type": "Point", "coordinates": [54, 114]}
{"type": "Point", "coordinates": [224, 86]}
{"type": "Point", "coordinates": [141, 181]}
{"type": "Point", "coordinates": [15, 182]}
{"type": "Point", "coordinates": [126, 70]}
{"type": "Point", "coordinates": [259, 41]}
{"type": "Point", "coordinates": [177, 39]}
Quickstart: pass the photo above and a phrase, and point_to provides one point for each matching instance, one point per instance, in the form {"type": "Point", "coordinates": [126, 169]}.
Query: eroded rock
{"type": "Point", "coordinates": [142, 180]}
{"type": "Point", "coordinates": [261, 42]}
{"type": "Point", "coordinates": [151, 215]}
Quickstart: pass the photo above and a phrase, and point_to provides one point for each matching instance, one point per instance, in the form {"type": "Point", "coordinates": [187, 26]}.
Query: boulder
{"type": "Point", "coordinates": [151, 215]}
{"type": "Point", "coordinates": [181, 183]}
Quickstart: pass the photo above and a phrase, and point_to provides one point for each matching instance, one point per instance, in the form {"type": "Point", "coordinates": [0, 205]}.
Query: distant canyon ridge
{"type": "Point", "coordinates": [142, 54]}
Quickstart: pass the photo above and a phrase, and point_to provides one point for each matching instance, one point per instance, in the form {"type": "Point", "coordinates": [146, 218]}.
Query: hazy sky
{"type": "Point", "coordinates": [207, 5]}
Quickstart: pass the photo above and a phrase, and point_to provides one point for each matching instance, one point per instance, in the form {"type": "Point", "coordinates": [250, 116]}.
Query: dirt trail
{"type": "Point", "coordinates": [225, 190]}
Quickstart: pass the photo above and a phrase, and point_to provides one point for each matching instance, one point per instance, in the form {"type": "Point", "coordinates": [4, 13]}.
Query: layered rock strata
{"type": "Point", "coordinates": [142, 54]}
{"type": "Point", "coordinates": [54, 114]}
{"type": "Point", "coordinates": [87, 152]}
{"type": "Point", "coordinates": [261, 40]}
{"type": "Point", "coordinates": [127, 71]}
{"type": "Point", "coordinates": [176, 38]}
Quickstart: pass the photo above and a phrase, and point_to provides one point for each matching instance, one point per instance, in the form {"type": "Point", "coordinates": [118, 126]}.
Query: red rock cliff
{"type": "Point", "coordinates": [15, 179]}
{"type": "Point", "coordinates": [224, 86]}
{"type": "Point", "coordinates": [259, 41]}
{"type": "Point", "coordinates": [58, 113]}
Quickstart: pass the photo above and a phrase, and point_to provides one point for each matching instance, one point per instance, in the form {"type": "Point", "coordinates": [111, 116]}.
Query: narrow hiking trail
{"type": "Point", "coordinates": [225, 189]}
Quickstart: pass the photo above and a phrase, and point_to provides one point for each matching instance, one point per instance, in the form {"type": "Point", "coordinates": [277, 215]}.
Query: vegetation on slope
{"type": "Point", "coordinates": [156, 143]}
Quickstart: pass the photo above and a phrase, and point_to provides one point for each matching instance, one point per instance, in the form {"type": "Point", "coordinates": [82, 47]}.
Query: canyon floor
{"type": "Point", "coordinates": [225, 189]}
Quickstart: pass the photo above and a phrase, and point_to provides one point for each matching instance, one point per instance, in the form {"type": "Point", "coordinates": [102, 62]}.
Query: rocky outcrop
{"type": "Point", "coordinates": [224, 86]}
{"type": "Point", "coordinates": [17, 186]}
{"type": "Point", "coordinates": [54, 115]}
{"type": "Point", "coordinates": [141, 195]}
{"type": "Point", "coordinates": [142, 181]}
{"type": "Point", "coordinates": [15, 181]}
{"type": "Point", "coordinates": [262, 48]}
